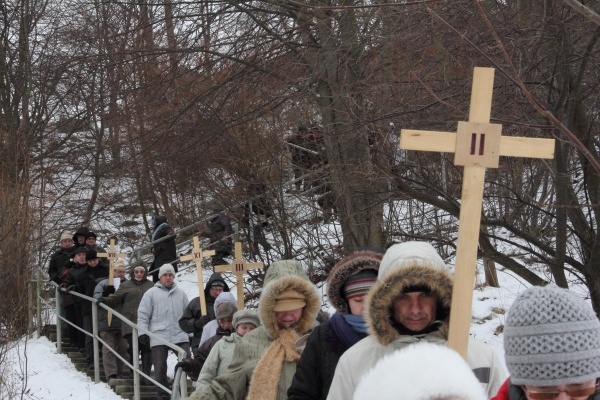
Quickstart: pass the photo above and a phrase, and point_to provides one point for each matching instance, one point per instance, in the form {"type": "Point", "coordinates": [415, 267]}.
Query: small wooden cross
{"type": "Point", "coordinates": [112, 255]}
{"type": "Point", "coordinates": [238, 268]}
{"type": "Point", "coordinates": [476, 145]}
{"type": "Point", "coordinates": [197, 256]}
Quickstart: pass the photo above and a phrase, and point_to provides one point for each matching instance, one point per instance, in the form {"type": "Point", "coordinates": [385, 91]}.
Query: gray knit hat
{"type": "Point", "coordinates": [551, 337]}
{"type": "Point", "coordinates": [246, 317]}
{"type": "Point", "coordinates": [226, 310]}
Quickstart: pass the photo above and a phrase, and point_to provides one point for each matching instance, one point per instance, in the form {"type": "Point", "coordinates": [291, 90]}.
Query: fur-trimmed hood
{"type": "Point", "coordinates": [281, 276]}
{"type": "Point", "coordinates": [348, 266]}
{"type": "Point", "coordinates": [404, 265]}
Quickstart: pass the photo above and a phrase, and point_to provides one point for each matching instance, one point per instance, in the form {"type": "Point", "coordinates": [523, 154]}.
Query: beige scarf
{"type": "Point", "coordinates": [263, 385]}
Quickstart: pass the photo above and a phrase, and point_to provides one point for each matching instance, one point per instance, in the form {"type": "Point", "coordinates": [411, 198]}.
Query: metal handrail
{"type": "Point", "coordinates": [179, 390]}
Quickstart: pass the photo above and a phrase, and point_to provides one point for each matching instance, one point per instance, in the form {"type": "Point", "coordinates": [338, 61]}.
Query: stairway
{"type": "Point", "coordinates": [122, 387]}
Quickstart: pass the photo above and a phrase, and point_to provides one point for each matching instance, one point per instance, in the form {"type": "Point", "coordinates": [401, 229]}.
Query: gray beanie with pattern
{"type": "Point", "coordinates": [551, 337]}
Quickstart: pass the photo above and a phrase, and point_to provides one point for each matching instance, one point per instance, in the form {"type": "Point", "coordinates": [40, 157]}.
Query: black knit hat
{"type": "Point", "coordinates": [91, 255]}
{"type": "Point", "coordinates": [91, 234]}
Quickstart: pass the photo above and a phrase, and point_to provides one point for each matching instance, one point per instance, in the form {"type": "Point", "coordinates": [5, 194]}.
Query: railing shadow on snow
{"type": "Point", "coordinates": [179, 390]}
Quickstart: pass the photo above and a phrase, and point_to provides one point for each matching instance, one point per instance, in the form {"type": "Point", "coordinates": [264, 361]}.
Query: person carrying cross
{"type": "Point", "coordinates": [192, 321]}
{"type": "Point", "coordinates": [409, 303]}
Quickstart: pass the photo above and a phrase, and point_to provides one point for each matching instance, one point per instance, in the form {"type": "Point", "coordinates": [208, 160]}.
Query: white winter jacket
{"type": "Point", "coordinates": [159, 313]}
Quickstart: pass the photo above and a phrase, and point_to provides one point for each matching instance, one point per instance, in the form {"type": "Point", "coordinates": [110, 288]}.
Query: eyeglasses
{"type": "Point", "coordinates": [552, 393]}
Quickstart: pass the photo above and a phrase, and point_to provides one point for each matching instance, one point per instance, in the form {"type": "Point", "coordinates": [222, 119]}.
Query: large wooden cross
{"type": "Point", "coordinates": [112, 255]}
{"type": "Point", "coordinates": [476, 145]}
{"type": "Point", "coordinates": [197, 256]}
{"type": "Point", "coordinates": [238, 268]}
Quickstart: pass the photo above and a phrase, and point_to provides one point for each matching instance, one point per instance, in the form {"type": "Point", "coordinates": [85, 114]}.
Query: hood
{"type": "Point", "coordinates": [348, 266]}
{"type": "Point", "coordinates": [81, 231]}
{"type": "Point", "coordinates": [404, 265]}
{"type": "Point", "coordinates": [224, 297]}
{"type": "Point", "coordinates": [214, 277]}
{"type": "Point", "coordinates": [282, 276]}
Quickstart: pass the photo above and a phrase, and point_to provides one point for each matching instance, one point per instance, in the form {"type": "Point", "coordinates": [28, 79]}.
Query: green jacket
{"type": "Point", "coordinates": [128, 298]}
{"type": "Point", "coordinates": [281, 276]}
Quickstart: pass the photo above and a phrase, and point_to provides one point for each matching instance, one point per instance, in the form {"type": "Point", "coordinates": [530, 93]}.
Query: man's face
{"type": "Point", "coordinates": [226, 323]}
{"type": "Point", "coordinates": [287, 319]}
{"type": "Point", "coordinates": [90, 241]}
{"type": "Point", "coordinates": [415, 310]}
{"type": "Point", "coordinates": [79, 258]}
{"type": "Point", "coordinates": [93, 262]}
{"type": "Point", "coordinates": [80, 239]}
{"type": "Point", "coordinates": [138, 274]}
{"type": "Point", "coordinates": [215, 291]}
{"type": "Point", "coordinates": [167, 279]}
{"type": "Point", "coordinates": [119, 273]}
{"type": "Point", "coordinates": [66, 243]}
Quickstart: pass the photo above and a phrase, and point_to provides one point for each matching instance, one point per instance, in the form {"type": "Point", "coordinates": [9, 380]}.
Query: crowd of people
{"type": "Point", "coordinates": [387, 338]}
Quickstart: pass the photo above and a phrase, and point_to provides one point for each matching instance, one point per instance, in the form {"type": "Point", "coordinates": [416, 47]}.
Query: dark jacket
{"type": "Point", "coordinates": [128, 298]}
{"type": "Point", "coordinates": [59, 262]}
{"type": "Point", "coordinates": [220, 234]}
{"type": "Point", "coordinates": [202, 352]}
{"type": "Point", "coordinates": [86, 282]}
{"type": "Point", "coordinates": [316, 366]}
{"type": "Point", "coordinates": [164, 252]}
{"type": "Point", "coordinates": [192, 320]}
{"type": "Point", "coordinates": [70, 280]}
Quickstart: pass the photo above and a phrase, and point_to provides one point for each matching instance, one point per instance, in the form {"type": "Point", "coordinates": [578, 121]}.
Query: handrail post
{"type": "Point", "coordinates": [135, 361]}
{"type": "Point", "coordinates": [58, 320]}
{"type": "Point", "coordinates": [38, 292]}
{"type": "Point", "coordinates": [30, 308]}
{"type": "Point", "coordinates": [95, 341]}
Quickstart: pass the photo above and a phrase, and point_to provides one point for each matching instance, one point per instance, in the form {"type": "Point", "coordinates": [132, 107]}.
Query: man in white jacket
{"type": "Point", "coordinates": [409, 303]}
{"type": "Point", "coordinates": [159, 313]}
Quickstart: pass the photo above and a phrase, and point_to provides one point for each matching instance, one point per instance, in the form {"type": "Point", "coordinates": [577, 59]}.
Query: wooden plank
{"type": "Point", "coordinates": [444, 142]}
{"type": "Point", "coordinates": [527, 147]}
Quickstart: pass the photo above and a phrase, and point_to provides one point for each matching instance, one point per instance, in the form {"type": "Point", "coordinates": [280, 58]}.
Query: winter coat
{"type": "Point", "coordinates": [509, 391]}
{"type": "Point", "coordinates": [325, 347]}
{"type": "Point", "coordinates": [409, 264]}
{"type": "Point", "coordinates": [210, 329]}
{"type": "Point", "coordinates": [315, 369]}
{"type": "Point", "coordinates": [59, 263]}
{"type": "Point", "coordinates": [233, 385]}
{"type": "Point", "coordinates": [164, 252]}
{"type": "Point", "coordinates": [86, 282]}
{"type": "Point", "coordinates": [218, 359]}
{"type": "Point", "coordinates": [192, 320]}
{"type": "Point", "coordinates": [159, 311]}
{"type": "Point", "coordinates": [115, 324]}
{"type": "Point", "coordinates": [220, 232]}
{"type": "Point", "coordinates": [70, 280]}
{"type": "Point", "coordinates": [202, 352]}
{"type": "Point", "coordinates": [128, 298]}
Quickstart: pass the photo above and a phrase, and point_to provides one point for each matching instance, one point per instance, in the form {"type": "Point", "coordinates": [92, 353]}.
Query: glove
{"type": "Point", "coordinates": [144, 340]}
{"type": "Point", "coordinates": [110, 289]}
{"type": "Point", "coordinates": [200, 322]}
{"type": "Point", "coordinates": [190, 367]}
{"type": "Point", "coordinates": [100, 300]}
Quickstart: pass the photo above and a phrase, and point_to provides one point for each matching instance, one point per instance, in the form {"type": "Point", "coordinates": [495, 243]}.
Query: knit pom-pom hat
{"type": "Point", "coordinates": [551, 337]}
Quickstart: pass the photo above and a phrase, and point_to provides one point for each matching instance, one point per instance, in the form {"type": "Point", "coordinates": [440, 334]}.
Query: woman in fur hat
{"type": "Point", "coordinates": [347, 286]}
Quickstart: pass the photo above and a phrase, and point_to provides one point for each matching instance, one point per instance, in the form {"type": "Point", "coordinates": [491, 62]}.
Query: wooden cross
{"type": "Point", "coordinates": [238, 268]}
{"type": "Point", "coordinates": [476, 145]}
{"type": "Point", "coordinates": [197, 256]}
{"type": "Point", "coordinates": [112, 255]}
